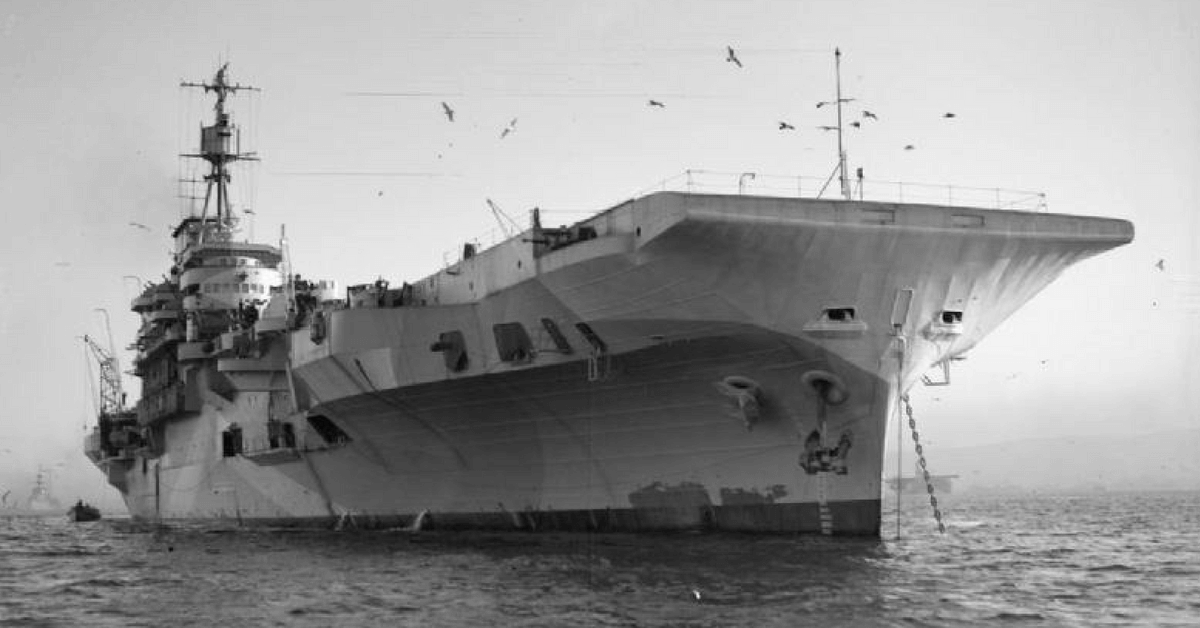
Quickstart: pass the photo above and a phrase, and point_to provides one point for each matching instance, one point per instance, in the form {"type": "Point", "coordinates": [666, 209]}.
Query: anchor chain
{"type": "Point", "coordinates": [912, 424]}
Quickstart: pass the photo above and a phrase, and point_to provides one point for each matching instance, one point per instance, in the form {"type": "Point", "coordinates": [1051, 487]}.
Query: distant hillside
{"type": "Point", "coordinates": [1161, 461]}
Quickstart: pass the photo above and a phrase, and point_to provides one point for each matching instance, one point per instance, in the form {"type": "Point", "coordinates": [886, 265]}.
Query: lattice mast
{"type": "Point", "coordinates": [220, 145]}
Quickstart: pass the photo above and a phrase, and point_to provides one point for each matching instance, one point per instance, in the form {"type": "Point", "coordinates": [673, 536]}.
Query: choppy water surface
{"type": "Point", "coordinates": [1049, 560]}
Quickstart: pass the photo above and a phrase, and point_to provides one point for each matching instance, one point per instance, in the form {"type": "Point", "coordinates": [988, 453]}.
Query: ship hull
{"type": "Point", "coordinates": [652, 444]}
{"type": "Point", "coordinates": [719, 362]}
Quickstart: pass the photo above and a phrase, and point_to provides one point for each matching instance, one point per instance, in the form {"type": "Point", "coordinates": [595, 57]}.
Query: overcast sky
{"type": "Point", "coordinates": [1094, 103]}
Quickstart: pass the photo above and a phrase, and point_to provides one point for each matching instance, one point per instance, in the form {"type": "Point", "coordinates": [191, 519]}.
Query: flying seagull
{"type": "Point", "coordinates": [512, 126]}
{"type": "Point", "coordinates": [828, 128]}
{"type": "Point", "coordinates": [948, 114]}
{"type": "Point", "coordinates": [784, 126]}
{"type": "Point", "coordinates": [655, 103]}
{"type": "Point", "coordinates": [139, 225]}
{"type": "Point", "coordinates": [731, 56]}
{"type": "Point", "coordinates": [868, 114]}
{"type": "Point", "coordinates": [833, 102]}
{"type": "Point", "coordinates": [909, 147]}
{"type": "Point", "coordinates": [856, 124]}
{"type": "Point", "coordinates": [1161, 264]}
{"type": "Point", "coordinates": [448, 110]}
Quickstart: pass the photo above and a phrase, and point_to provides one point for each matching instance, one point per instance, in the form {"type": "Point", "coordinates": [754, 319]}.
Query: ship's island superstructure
{"type": "Point", "coordinates": [680, 360]}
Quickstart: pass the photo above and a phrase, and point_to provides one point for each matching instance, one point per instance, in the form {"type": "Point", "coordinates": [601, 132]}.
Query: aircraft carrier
{"type": "Point", "coordinates": [686, 359]}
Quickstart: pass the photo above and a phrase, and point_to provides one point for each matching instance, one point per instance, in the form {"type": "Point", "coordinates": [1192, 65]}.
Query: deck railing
{"type": "Point", "coordinates": [791, 186]}
{"type": "Point", "coordinates": [796, 186]}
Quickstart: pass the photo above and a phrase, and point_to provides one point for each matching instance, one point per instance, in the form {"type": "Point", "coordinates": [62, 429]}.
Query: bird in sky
{"type": "Point", "coordinates": [139, 225]}
{"type": "Point", "coordinates": [655, 103]}
{"type": "Point", "coordinates": [856, 124]}
{"type": "Point", "coordinates": [449, 112]}
{"type": "Point", "coordinates": [909, 147]}
{"type": "Point", "coordinates": [949, 114]}
{"type": "Point", "coordinates": [731, 56]}
{"type": "Point", "coordinates": [784, 126]}
{"type": "Point", "coordinates": [696, 595]}
{"type": "Point", "coordinates": [833, 102]}
{"type": "Point", "coordinates": [512, 126]}
{"type": "Point", "coordinates": [1161, 264]}
{"type": "Point", "coordinates": [827, 128]}
{"type": "Point", "coordinates": [868, 114]}
{"type": "Point", "coordinates": [380, 193]}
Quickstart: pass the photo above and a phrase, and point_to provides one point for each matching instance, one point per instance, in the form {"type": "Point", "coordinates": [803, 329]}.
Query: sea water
{"type": "Point", "coordinates": [1031, 560]}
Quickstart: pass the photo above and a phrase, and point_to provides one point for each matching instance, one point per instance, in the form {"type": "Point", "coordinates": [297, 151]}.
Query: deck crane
{"type": "Point", "coordinates": [508, 226]}
{"type": "Point", "coordinates": [112, 399]}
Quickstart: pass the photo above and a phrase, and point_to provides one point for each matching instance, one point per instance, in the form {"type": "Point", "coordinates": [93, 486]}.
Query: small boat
{"type": "Point", "coordinates": [83, 512]}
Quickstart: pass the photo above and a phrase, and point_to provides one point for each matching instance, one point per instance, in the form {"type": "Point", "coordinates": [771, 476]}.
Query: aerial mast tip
{"type": "Point", "coordinates": [842, 178]}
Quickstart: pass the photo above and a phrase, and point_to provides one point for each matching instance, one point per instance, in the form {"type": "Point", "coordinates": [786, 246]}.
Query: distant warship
{"type": "Point", "coordinates": [681, 360]}
{"type": "Point", "coordinates": [40, 502]}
